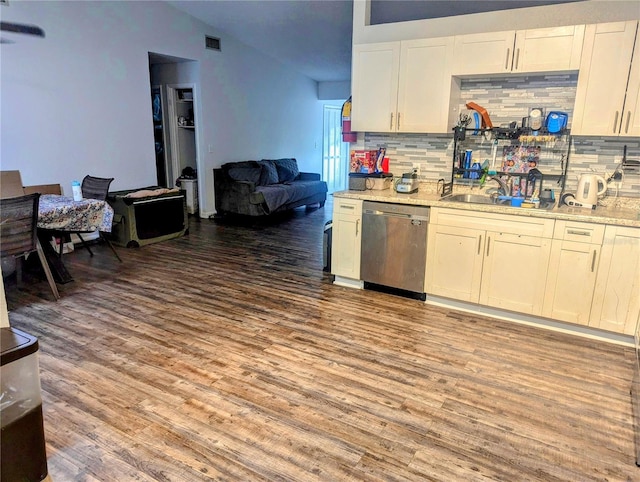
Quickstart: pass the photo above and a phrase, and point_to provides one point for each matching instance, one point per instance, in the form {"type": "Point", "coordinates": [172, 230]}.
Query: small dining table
{"type": "Point", "coordinates": [62, 214]}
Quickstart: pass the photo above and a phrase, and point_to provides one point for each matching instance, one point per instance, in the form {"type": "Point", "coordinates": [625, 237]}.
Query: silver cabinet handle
{"type": "Point", "coordinates": [506, 62]}
{"type": "Point", "coordinates": [593, 261]}
{"type": "Point", "coordinates": [579, 233]}
{"type": "Point", "coordinates": [479, 243]}
{"type": "Point", "coordinates": [626, 129]}
{"type": "Point", "coordinates": [517, 59]}
{"type": "Point", "coordinates": [488, 244]}
{"type": "Point", "coordinates": [391, 123]}
{"type": "Point", "coordinates": [357, 226]}
{"type": "Point", "coordinates": [398, 118]}
{"type": "Point", "coordinates": [615, 122]}
{"type": "Point", "coordinates": [344, 206]}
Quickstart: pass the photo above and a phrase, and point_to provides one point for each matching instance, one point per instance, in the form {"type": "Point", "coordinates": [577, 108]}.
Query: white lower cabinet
{"type": "Point", "coordinates": [573, 265]}
{"type": "Point", "coordinates": [616, 299]}
{"type": "Point", "coordinates": [346, 238]}
{"type": "Point", "coordinates": [504, 267]}
{"type": "Point", "coordinates": [514, 270]}
{"type": "Point", "coordinates": [454, 262]}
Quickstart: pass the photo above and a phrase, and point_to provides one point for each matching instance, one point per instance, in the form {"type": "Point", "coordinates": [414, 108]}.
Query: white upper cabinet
{"type": "Point", "coordinates": [609, 74]}
{"type": "Point", "coordinates": [402, 86]}
{"type": "Point", "coordinates": [424, 85]}
{"type": "Point", "coordinates": [548, 49]}
{"type": "Point", "coordinates": [483, 53]}
{"type": "Point", "coordinates": [374, 87]}
{"type": "Point", "coordinates": [536, 50]}
{"type": "Point", "coordinates": [631, 122]}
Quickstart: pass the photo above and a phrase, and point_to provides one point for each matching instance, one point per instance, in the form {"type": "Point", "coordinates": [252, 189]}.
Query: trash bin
{"type": "Point", "coordinates": [22, 443]}
{"type": "Point", "coordinates": [326, 246]}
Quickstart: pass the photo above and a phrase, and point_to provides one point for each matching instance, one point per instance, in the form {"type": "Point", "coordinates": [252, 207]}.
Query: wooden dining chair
{"type": "Point", "coordinates": [18, 234]}
{"type": "Point", "coordinates": [96, 188]}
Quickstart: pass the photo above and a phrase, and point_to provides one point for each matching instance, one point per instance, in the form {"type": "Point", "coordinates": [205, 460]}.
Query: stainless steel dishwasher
{"type": "Point", "coordinates": [394, 245]}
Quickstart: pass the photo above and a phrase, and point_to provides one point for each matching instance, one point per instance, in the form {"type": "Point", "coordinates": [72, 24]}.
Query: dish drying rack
{"type": "Point", "coordinates": [557, 146]}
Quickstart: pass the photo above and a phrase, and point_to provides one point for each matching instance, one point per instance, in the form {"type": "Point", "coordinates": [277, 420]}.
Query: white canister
{"type": "Point", "coordinates": [76, 190]}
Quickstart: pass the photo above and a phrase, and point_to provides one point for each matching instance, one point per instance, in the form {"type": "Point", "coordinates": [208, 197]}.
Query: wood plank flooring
{"type": "Point", "coordinates": [228, 355]}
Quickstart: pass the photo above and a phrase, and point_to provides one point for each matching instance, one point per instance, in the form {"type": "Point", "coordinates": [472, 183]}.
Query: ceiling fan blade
{"type": "Point", "coordinates": [21, 28]}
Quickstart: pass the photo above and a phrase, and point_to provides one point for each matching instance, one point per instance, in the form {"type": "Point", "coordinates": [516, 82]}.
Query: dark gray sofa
{"type": "Point", "coordinates": [259, 188]}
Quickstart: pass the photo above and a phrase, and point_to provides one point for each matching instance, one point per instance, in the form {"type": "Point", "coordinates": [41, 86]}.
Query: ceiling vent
{"type": "Point", "coordinates": [212, 43]}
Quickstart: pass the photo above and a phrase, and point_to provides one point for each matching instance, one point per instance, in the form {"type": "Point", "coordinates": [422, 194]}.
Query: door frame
{"type": "Point", "coordinates": [172, 162]}
{"type": "Point", "coordinates": [330, 133]}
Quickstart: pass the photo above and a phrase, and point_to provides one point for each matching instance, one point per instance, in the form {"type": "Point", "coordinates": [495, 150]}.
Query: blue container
{"type": "Point", "coordinates": [475, 171]}
{"type": "Point", "coordinates": [467, 162]}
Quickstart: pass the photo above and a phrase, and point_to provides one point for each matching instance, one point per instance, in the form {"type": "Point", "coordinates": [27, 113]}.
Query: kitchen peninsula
{"type": "Point", "coordinates": [565, 268]}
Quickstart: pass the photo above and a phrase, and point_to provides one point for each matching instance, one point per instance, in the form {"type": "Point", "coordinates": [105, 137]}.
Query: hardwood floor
{"type": "Point", "coordinates": [228, 355]}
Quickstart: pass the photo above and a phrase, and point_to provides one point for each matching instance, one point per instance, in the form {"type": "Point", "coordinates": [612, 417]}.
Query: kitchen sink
{"type": "Point", "coordinates": [472, 198]}
{"type": "Point", "coordinates": [482, 199]}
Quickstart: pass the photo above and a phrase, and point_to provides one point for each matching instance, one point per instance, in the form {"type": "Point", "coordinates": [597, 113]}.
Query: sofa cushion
{"type": "Point", "coordinates": [244, 171]}
{"type": "Point", "coordinates": [269, 173]}
{"type": "Point", "coordinates": [276, 195]}
{"type": "Point", "coordinates": [287, 169]}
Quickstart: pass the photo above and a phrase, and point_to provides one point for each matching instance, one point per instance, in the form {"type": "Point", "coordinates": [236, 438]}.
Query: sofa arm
{"type": "Point", "coordinates": [308, 176]}
{"type": "Point", "coordinates": [230, 195]}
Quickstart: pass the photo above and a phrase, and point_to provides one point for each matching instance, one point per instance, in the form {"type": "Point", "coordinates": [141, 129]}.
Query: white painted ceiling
{"type": "Point", "coordinates": [314, 36]}
{"type": "Point", "coordinates": [311, 36]}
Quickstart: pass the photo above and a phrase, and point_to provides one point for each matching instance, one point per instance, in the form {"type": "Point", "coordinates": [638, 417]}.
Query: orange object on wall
{"type": "Point", "coordinates": [486, 120]}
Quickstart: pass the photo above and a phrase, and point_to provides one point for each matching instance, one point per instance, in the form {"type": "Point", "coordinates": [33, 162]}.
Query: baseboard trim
{"type": "Point", "coordinates": [348, 282]}
{"type": "Point", "coordinates": [530, 320]}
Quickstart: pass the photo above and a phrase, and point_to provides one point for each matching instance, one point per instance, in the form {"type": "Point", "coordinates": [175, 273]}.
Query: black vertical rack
{"type": "Point", "coordinates": [557, 146]}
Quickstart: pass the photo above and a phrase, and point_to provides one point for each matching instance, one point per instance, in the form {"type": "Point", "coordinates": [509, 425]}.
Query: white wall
{"type": "Point", "coordinates": [592, 11]}
{"type": "Point", "coordinates": [78, 101]}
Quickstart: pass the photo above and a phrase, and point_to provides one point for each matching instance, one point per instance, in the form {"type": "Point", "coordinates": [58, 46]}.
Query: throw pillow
{"type": "Point", "coordinates": [287, 169]}
{"type": "Point", "coordinates": [269, 173]}
{"type": "Point", "coordinates": [244, 171]}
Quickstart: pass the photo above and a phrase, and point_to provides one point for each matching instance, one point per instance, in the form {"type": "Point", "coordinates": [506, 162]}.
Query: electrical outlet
{"type": "Point", "coordinates": [416, 167]}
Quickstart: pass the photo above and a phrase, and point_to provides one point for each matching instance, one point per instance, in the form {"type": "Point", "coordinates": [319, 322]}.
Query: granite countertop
{"type": "Point", "coordinates": [619, 212]}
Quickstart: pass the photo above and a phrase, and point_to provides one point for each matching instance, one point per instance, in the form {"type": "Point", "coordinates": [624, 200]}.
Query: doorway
{"type": "Point", "coordinates": [176, 80]}
{"type": "Point", "coordinates": [335, 165]}
{"type": "Point", "coordinates": [181, 104]}
{"type": "Point", "coordinates": [158, 135]}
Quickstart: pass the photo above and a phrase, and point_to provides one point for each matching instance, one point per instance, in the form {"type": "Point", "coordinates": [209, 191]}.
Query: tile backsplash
{"type": "Point", "coordinates": [509, 99]}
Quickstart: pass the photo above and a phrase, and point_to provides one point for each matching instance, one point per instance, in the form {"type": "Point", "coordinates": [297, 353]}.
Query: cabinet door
{"type": "Point", "coordinates": [483, 53]}
{"type": "Point", "coordinates": [602, 82]}
{"type": "Point", "coordinates": [454, 262]}
{"type": "Point", "coordinates": [424, 86]}
{"type": "Point", "coordinates": [374, 87]}
{"type": "Point", "coordinates": [346, 238]}
{"type": "Point", "coordinates": [570, 281]}
{"type": "Point", "coordinates": [616, 299]}
{"type": "Point", "coordinates": [514, 272]}
{"type": "Point", "coordinates": [548, 49]}
{"type": "Point", "coordinates": [631, 119]}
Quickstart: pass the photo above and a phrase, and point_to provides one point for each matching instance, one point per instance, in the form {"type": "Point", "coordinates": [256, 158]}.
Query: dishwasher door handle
{"type": "Point", "coordinates": [396, 215]}
{"type": "Point", "coordinates": [388, 214]}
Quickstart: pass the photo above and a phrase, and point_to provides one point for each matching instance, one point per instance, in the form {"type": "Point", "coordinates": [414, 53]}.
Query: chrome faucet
{"type": "Point", "coordinates": [504, 187]}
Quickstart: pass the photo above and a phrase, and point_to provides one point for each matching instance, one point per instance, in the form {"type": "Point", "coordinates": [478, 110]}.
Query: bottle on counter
{"type": "Point", "coordinates": [76, 190]}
